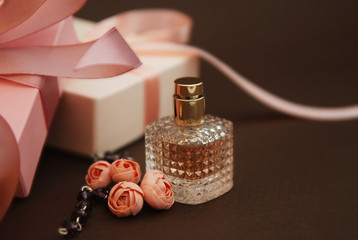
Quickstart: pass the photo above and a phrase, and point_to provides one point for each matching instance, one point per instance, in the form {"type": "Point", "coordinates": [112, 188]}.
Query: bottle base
{"type": "Point", "coordinates": [200, 191]}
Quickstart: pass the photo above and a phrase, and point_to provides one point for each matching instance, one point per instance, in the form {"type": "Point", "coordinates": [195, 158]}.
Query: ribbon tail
{"type": "Point", "coordinates": [271, 100]}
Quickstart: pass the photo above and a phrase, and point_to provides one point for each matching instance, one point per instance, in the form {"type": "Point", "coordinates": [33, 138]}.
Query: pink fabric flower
{"type": "Point", "coordinates": [125, 170]}
{"type": "Point", "coordinates": [158, 190]}
{"type": "Point", "coordinates": [98, 175]}
{"type": "Point", "coordinates": [125, 198]}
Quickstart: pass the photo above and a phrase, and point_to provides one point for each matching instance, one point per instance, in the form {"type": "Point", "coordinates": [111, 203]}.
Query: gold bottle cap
{"type": "Point", "coordinates": [189, 101]}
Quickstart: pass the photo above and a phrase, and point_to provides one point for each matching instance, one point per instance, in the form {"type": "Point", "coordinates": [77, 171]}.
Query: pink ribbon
{"type": "Point", "coordinates": [151, 94]}
{"type": "Point", "coordinates": [163, 31]}
{"type": "Point", "coordinates": [147, 25]}
{"type": "Point", "coordinates": [26, 43]}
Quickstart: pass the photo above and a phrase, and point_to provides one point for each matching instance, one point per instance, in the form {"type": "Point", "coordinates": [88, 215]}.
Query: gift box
{"type": "Point", "coordinates": [107, 114]}
{"type": "Point", "coordinates": [38, 46]}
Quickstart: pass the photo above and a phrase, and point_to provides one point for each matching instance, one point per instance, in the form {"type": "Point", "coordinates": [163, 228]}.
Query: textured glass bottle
{"type": "Point", "coordinates": [194, 150]}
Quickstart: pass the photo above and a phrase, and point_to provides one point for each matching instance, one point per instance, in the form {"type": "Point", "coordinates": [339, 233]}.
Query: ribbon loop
{"type": "Point", "coordinates": [105, 57]}
{"type": "Point", "coordinates": [147, 25]}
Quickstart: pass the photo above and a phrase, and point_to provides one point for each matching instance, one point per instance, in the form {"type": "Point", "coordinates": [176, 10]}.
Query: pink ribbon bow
{"type": "Point", "coordinates": [38, 46]}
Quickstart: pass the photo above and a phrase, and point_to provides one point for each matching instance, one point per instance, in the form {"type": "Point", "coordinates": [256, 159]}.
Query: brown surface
{"type": "Point", "coordinates": [294, 179]}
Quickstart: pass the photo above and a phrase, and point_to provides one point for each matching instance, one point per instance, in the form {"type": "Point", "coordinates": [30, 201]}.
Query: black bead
{"type": "Point", "coordinates": [84, 195]}
{"type": "Point", "coordinates": [85, 205]}
{"type": "Point", "coordinates": [127, 155]}
{"type": "Point", "coordinates": [109, 153]}
{"type": "Point", "coordinates": [80, 214]}
{"type": "Point", "coordinates": [95, 158]}
{"type": "Point", "coordinates": [101, 193]}
{"type": "Point", "coordinates": [71, 226]}
{"type": "Point", "coordinates": [110, 156]}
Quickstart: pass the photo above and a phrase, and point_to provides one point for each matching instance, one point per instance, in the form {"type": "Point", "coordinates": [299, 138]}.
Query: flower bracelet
{"type": "Point", "coordinates": [115, 181]}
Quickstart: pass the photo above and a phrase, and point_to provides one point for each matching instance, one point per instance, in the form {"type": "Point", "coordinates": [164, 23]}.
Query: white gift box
{"type": "Point", "coordinates": [97, 115]}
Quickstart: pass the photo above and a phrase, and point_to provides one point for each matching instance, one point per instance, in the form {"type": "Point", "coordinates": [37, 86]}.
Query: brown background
{"type": "Point", "coordinates": [294, 179]}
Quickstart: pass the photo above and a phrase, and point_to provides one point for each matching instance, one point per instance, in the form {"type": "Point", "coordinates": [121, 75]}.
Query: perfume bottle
{"type": "Point", "coordinates": [194, 150]}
